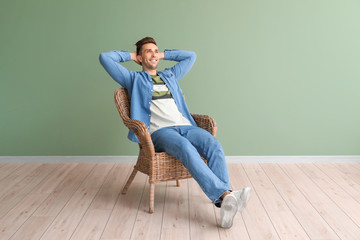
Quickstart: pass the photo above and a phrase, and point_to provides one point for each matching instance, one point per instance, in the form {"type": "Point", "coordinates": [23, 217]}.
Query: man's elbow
{"type": "Point", "coordinates": [193, 55]}
{"type": "Point", "coordinates": [102, 58]}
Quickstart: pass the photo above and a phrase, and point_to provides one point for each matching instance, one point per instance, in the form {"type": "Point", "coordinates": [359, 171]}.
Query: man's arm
{"type": "Point", "coordinates": [185, 61]}
{"type": "Point", "coordinates": [134, 58]}
{"type": "Point", "coordinates": [110, 61]}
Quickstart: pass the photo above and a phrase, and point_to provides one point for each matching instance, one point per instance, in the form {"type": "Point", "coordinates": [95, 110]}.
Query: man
{"type": "Point", "coordinates": [157, 100]}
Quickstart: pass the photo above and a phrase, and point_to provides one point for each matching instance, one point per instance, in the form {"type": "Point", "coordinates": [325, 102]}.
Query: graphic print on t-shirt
{"type": "Point", "coordinates": [160, 90]}
{"type": "Point", "coordinates": [164, 112]}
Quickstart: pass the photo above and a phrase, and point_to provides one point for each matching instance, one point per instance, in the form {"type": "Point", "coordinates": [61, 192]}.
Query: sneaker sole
{"type": "Point", "coordinates": [228, 211]}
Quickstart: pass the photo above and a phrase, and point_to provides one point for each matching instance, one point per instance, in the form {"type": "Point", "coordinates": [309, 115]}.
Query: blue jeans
{"type": "Point", "coordinates": [188, 143]}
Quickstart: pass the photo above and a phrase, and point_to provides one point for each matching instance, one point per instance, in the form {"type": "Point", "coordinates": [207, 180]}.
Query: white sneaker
{"type": "Point", "coordinates": [242, 198]}
{"type": "Point", "coordinates": [228, 210]}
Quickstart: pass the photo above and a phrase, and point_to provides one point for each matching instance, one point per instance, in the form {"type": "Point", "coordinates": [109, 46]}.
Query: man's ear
{"type": "Point", "coordinates": [139, 59]}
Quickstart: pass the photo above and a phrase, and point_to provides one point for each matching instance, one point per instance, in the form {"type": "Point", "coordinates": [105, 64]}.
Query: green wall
{"type": "Point", "coordinates": [280, 77]}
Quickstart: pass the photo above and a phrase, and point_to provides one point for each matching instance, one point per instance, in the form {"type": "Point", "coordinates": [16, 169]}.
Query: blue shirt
{"type": "Point", "coordinates": [140, 84]}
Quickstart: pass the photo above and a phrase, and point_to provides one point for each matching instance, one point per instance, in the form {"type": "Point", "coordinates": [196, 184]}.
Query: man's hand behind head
{"type": "Point", "coordinates": [134, 58]}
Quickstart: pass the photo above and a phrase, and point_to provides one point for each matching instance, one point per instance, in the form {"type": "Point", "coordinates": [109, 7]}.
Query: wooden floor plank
{"type": "Point", "coordinates": [305, 213]}
{"type": "Point", "coordinates": [68, 219]}
{"type": "Point", "coordinates": [8, 168]}
{"type": "Point", "coordinates": [341, 179]}
{"type": "Point", "coordinates": [13, 184]}
{"type": "Point", "coordinates": [256, 219]}
{"type": "Point", "coordinates": [285, 223]}
{"type": "Point", "coordinates": [240, 229]}
{"type": "Point", "coordinates": [55, 201]}
{"type": "Point", "coordinates": [15, 177]}
{"type": "Point", "coordinates": [30, 230]}
{"type": "Point", "coordinates": [341, 223]}
{"type": "Point", "coordinates": [22, 188]}
{"type": "Point", "coordinates": [351, 170]}
{"type": "Point", "coordinates": [122, 219]}
{"type": "Point", "coordinates": [64, 191]}
{"type": "Point", "coordinates": [355, 165]}
{"type": "Point", "coordinates": [203, 225]}
{"type": "Point", "coordinates": [28, 205]}
{"type": "Point", "coordinates": [93, 223]}
{"type": "Point", "coordinates": [176, 212]}
{"type": "Point", "coordinates": [80, 201]}
{"type": "Point", "coordinates": [350, 206]}
{"type": "Point", "coordinates": [148, 226]}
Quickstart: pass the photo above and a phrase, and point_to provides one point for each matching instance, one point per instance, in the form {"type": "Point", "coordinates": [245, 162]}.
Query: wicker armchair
{"type": "Point", "coordinates": [158, 166]}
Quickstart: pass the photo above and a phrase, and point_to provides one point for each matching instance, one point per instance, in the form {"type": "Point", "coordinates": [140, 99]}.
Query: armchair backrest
{"type": "Point", "coordinates": [122, 102]}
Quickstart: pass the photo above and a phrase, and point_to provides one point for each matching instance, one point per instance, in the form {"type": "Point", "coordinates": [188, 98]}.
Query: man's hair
{"type": "Point", "coordinates": [142, 42]}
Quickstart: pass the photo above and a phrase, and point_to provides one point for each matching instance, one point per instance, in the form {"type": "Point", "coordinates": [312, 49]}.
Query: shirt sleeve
{"type": "Point", "coordinates": [185, 59]}
{"type": "Point", "coordinates": [110, 61]}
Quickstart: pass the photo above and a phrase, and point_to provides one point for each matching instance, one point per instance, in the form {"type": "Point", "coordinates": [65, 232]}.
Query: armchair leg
{"type": "Point", "coordinates": [152, 196]}
{"type": "Point", "coordinates": [129, 181]}
{"type": "Point", "coordinates": [178, 183]}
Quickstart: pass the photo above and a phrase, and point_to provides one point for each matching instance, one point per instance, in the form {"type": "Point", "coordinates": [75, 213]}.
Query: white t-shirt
{"type": "Point", "coordinates": [163, 109]}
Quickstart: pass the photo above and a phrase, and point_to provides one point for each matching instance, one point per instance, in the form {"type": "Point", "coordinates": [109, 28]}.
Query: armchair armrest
{"type": "Point", "coordinates": [206, 122]}
{"type": "Point", "coordinates": [143, 134]}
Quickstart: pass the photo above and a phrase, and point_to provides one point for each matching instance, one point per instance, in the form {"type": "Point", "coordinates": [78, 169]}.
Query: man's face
{"type": "Point", "coordinates": [149, 56]}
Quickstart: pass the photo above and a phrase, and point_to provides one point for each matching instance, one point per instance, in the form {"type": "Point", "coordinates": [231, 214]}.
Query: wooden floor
{"type": "Point", "coordinates": [83, 201]}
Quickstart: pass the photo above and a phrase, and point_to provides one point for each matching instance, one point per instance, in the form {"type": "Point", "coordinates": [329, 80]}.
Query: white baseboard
{"type": "Point", "coordinates": [238, 159]}
{"type": "Point", "coordinates": [292, 159]}
{"type": "Point", "coordinates": [66, 159]}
